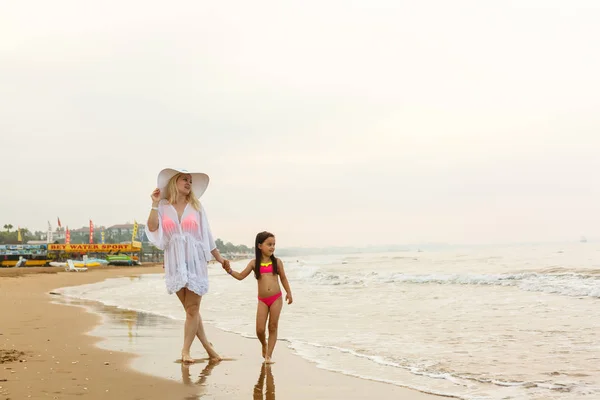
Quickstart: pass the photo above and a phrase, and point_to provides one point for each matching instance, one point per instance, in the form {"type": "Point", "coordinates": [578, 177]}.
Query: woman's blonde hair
{"type": "Point", "coordinates": [172, 193]}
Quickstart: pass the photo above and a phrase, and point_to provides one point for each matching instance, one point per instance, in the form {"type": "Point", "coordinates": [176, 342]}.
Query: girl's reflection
{"type": "Point", "coordinates": [270, 389]}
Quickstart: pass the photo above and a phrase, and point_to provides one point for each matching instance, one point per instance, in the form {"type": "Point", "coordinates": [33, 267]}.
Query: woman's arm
{"type": "Point", "coordinates": [218, 257]}
{"type": "Point", "coordinates": [153, 220]}
{"type": "Point", "coordinates": [241, 275]}
{"type": "Point", "coordinates": [153, 217]}
{"type": "Point", "coordinates": [284, 281]}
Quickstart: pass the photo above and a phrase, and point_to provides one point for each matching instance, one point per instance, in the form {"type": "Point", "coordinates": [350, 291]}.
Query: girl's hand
{"type": "Point", "coordinates": [288, 298]}
{"type": "Point", "coordinates": [155, 196]}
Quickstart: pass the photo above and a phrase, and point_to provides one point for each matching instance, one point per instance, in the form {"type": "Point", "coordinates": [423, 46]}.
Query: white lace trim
{"type": "Point", "coordinates": [183, 278]}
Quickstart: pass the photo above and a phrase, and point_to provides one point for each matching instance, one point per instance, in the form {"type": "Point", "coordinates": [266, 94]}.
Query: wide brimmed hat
{"type": "Point", "coordinates": [199, 180]}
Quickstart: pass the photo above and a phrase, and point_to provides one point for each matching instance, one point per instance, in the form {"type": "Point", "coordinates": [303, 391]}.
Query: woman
{"type": "Point", "coordinates": [178, 225]}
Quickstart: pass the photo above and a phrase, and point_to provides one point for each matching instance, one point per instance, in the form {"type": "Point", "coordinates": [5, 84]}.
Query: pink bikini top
{"type": "Point", "coordinates": [189, 224]}
{"type": "Point", "coordinates": [265, 268]}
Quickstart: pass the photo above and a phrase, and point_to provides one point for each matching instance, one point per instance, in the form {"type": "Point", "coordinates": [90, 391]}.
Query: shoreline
{"type": "Point", "coordinates": [134, 353]}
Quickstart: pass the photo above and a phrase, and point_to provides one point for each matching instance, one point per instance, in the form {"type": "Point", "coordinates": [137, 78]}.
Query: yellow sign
{"type": "Point", "coordinates": [135, 229]}
{"type": "Point", "coordinates": [94, 248]}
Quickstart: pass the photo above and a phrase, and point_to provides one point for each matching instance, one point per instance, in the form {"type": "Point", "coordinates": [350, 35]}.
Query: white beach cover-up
{"type": "Point", "coordinates": [187, 246]}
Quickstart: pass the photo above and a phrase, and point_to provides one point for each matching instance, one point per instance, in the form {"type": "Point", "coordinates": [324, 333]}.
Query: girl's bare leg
{"type": "Point", "coordinates": [274, 313]}
{"type": "Point", "coordinates": [262, 312]}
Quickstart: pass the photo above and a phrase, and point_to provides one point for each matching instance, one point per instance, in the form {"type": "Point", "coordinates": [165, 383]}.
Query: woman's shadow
{"type": "Point", "coordinates": [269, 393]}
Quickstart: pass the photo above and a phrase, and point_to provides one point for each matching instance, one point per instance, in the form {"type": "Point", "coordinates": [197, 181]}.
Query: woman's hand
{"type": "Point", "coordinates": [155, 196]}
{"type": "Point", "coordinates": [288, 298]}
{"type": "Point", "coordinates": [226, 266]}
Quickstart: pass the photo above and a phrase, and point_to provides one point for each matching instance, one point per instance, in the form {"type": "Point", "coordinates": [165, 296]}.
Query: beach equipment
{"type": "Point", "coordinates": [72, 268]}
{"type": "Point", "coordinates": [120, 259]}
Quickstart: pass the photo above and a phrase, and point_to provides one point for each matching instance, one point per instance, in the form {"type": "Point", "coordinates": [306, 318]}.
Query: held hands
{"type": "Point", "coordinates": [288, 298]}
{"type": "Point", "coordinates": [155, 196]}
{"type": "Point", "coordinates": [226, 266]}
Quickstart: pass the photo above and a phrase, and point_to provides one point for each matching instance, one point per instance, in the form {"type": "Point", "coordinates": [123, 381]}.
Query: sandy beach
{"type": "Point", "coordinates": [53, 348]}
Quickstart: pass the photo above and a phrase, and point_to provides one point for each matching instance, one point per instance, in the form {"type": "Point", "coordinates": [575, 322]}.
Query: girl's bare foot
{"type": "Point", "coordinates": [186, 358]}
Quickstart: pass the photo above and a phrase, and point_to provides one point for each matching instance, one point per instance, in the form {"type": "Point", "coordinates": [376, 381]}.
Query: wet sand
{"type": "Point", "coordinates": [74, 349]}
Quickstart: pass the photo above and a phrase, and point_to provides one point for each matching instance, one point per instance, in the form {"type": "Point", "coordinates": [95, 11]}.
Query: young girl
{"type": "Point", "coordinates": [268, 270]}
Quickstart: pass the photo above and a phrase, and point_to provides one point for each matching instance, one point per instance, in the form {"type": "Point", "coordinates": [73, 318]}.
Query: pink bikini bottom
{"type": "Point", "coordinates": [270, 300]}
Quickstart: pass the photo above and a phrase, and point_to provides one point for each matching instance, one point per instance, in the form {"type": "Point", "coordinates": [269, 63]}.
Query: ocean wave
{"type": "Point", "coordinates": [569, 271]}
{"type": "Point", "coordinates": [317, 276]}
{"type": "Point", "coordinates": [566, 284]}
{"type": "Point", "coordinates": [561, 281]}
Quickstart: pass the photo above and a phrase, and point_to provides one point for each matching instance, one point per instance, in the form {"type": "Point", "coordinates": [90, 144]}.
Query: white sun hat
{"type": "Point", "coordinates": [199, 180]}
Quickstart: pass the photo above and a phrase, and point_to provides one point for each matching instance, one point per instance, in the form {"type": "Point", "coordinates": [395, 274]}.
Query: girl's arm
{"type": "Point", "coordinates": [284, 282]}
{"type": "Point", "coordinates": [241, 275]}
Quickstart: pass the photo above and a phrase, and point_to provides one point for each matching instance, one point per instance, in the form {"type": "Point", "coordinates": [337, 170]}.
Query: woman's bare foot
{"type": "Point", "coordinates": [186, 358]}
{"type": "Point", "coordinates": [268, 360]}
{"type": "Point", "coordinates": [212, 353]}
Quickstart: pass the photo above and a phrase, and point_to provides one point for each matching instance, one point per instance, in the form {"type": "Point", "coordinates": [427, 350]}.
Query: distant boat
{"type": "Point", "coordinates": [583, 239]}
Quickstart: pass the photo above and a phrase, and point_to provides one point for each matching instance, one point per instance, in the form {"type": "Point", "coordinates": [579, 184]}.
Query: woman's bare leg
{"type": "Point", "coordinates": [212, 354]}
{"type": "Point", "coordinates": [200, 334]}
{"type": "Point", "coordinates": [191, 304]}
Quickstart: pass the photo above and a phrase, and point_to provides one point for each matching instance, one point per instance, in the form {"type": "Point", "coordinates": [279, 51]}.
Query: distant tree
{"type": "Point", "coordinates": [230, 248]}
{"type": "Point", "coordinates": [8, 237]}
{"type": "Point", "coordinates": [27, 235]}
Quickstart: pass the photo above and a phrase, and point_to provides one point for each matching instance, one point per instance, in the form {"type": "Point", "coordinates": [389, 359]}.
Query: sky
{"type": "Point", "coordinates": [328, 123]}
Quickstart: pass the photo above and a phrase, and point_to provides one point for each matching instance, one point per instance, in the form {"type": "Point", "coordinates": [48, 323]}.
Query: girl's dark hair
{"type": "Point", "coordinates": [260, 239]}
